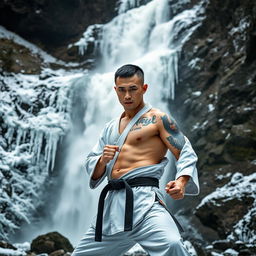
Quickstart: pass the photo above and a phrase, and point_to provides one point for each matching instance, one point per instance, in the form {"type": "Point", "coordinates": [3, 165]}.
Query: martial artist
{"type": "Point", "coordinates": [131, 154]}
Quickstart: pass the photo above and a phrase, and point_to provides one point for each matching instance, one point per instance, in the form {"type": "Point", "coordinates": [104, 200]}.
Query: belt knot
{"type": "Point", "coordinates": [116, 184]}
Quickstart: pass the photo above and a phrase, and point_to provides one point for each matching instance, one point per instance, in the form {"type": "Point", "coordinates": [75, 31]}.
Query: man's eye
{"type": "Point", "coordinates": [133, 89]}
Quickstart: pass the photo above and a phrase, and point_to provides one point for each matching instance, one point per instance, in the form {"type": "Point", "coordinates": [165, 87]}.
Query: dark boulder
{"type": "Point", "coordinates": [6, 245]}
{"type": "Point", "coordinates": [51, 242]}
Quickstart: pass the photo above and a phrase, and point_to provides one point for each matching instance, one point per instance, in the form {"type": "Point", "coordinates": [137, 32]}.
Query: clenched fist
{"type": "Point", "coordinates": [176, 188]}
{"type": "Point", "coordinates": [109, 153]}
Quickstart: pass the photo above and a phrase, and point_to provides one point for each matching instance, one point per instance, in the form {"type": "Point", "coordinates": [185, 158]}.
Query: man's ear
{"type": "Point", "coordinates": [115, 88]}
{"type": "Point", "coordinates": [145, 87]}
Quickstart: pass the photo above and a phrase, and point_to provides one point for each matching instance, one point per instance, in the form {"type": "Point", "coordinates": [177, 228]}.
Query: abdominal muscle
{"type": "Point", "coordinates": [132, 157]}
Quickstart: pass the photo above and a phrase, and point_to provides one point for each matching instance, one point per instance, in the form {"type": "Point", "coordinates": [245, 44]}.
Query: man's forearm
{"type": "Point", "coordinates": [184, 179]}
{"type": "Point", "coordinates": [99, 170]}
{"type": "Point", "coordinates": [176, 188]}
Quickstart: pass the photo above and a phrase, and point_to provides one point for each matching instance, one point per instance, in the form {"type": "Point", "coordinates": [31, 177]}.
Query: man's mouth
{"type": "Point", "coordinates": [128, 103]}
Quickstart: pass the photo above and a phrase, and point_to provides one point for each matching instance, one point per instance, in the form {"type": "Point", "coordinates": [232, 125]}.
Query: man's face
{"type": "Point", "coordinates": [130, 91]}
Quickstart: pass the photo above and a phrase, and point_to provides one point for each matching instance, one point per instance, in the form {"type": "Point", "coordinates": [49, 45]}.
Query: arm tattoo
{"type": "Point", "coordinates": [176, 139]}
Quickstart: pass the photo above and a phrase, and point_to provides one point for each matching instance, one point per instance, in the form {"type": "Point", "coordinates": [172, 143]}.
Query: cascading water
{"type": "Point", "coordinates": [143, 36]}
{"type": "Point", "coordinates": [146, 36]}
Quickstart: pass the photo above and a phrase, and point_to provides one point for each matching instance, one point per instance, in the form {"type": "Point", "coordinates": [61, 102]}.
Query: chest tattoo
{"type": "Point", "coordinates": [176, 139]}
{"type": "Point", "coordinates": [144, 121]}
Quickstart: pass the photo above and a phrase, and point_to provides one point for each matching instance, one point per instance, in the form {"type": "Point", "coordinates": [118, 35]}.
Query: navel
{"type": "Point", "coordinates": [138, 139]}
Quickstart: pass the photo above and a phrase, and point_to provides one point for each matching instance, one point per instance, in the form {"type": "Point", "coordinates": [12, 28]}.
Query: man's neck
{"type": "Point", "coordinates": [131, 113]}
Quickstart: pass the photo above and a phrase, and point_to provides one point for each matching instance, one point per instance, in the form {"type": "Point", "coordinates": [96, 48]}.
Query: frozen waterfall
{"type": "Point", "coordinates": [144, 35]}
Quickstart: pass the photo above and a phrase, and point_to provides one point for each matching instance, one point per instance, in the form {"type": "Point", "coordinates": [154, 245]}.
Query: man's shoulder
{"type": "Point", "coordinates": [156, 112]}
{"type": "Point", "coordinates": [158, 115]}
{"type": "Point", "coordinates": [110, 123]}
{"type": "Point", "coordinates": [108, 128]}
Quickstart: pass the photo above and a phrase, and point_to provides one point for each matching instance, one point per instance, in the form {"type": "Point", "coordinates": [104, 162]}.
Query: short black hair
{"type": "Point", "coordinates": [130, 70]}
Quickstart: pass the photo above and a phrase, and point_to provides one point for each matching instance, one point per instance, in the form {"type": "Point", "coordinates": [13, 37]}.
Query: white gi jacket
{"type": "Point", "coordinates": [144, 197]}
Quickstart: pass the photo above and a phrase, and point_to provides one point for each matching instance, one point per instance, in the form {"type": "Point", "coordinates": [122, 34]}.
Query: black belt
{"type": "Point", "coordinates": [117, 184]}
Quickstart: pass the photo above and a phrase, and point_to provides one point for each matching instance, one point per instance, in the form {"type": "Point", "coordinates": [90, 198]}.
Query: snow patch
{"type": "Point", "coordinates": [239, 187]}
{"type": "Point", "coordinates": [194, 63]}
{"type": "Point", "coordinates": [197, 93]}
{"type": "Point", "coordinates": [223, 176]}
{"type": "Point", "coordinates": [11, 252]}
{"type": "Point", "coordinates": [211, 107]}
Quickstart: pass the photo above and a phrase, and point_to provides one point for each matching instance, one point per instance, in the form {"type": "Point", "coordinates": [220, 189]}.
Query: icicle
{"type": "Point", "coordinates": [88, 37]}
{"type": "Point", "coordinates": [31, 142]}
{"type": "Point", "coordinates": [46, 137]}
{"type": "Point", "coordinates": [20, 132]}
{"type": "Point", "coordinates": [173, 70]}
{"type": "Point", "coordinates": [36, 148]}
{"type": "Point", "coordinates": [54, 149]}
{"type": "Point", "coordinates": [51, 139]}
{"type": "Point", "coordinates": [175, 66]}
{"type": "Point", "coordinates": [70, 96]}
{"type": "Point", "coordinates": [9, 134]}
{"type": "Point", "coordinates": [39, 142]}
{"type": "Point", "coordinates": [49, 151]}
{"type": "Point", "coordinates": [61, 100]}
{"type": "Point", "coordinates": [52, 99]}
{"type": "Point", "coordinates": [24, 135]}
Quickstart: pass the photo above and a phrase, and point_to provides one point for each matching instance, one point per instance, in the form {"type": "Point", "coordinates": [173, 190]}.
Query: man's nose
{"type": "Point", "coordinates": [127, 95]}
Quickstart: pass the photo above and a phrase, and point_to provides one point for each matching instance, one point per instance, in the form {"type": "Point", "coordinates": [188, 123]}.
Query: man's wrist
{"type": "Point", "coordinates": [101, 162]}
{"type": "Point", "coordinates": [183, 179]}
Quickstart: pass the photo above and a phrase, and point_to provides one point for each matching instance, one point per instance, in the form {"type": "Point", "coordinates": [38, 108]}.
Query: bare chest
{"type": "Point", "coordinates": [144, 129]}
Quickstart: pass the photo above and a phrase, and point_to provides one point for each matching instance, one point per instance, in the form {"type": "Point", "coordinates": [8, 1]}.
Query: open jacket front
{"type": "Point", "coordinates": [144, 197]}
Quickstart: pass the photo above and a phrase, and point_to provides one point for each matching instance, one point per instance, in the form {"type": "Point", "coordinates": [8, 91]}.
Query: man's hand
{"type": "Point", "coordinates": [109, 153]}
{"type": "Point", "coordinates": [176, 188]}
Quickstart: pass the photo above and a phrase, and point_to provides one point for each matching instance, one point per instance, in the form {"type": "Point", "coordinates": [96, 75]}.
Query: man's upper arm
{"type": "Point", "coordinates": [170, 134]}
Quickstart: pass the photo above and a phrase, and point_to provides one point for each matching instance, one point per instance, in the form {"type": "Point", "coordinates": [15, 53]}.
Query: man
{"type": "Point", "coordinates": [131, 154]}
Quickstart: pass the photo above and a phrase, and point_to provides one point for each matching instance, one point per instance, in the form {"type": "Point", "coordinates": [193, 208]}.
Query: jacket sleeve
{"type": "Point", "coordinates": [93, 158]}
{"type": "Point", "coordinates": [186, 165]}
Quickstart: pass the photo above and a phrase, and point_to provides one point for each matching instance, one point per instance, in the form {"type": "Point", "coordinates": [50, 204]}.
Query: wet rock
{"type": "Point", "coordinates": [222, 245]}
{"type": "Point", "coordinates": [53, 24]}
{"type": "Point", "coordinates": [52, 242]}
{"type": "Point", "coordinates": [242, 114]}
{"type": "Point", "coordinates": [57, 253]}
{"type": "Point", "coordinates": [6, 245]}
{"type": "Point", "coordinates": [31, 254]}
{"type": "Point", "coordinates": [221, 214]}
{"type": "Point", "coordinates": [18, 59]}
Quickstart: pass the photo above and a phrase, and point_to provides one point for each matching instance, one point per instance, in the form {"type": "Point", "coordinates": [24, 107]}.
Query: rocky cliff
{"type": "Point", "coordinates": [53, 24]}
{"type": "Point", "coordinates": [216, 101]}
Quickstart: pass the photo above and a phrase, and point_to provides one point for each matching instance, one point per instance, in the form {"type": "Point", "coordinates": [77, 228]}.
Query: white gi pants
{"type": "Point", "coordinates": [157, 234]}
